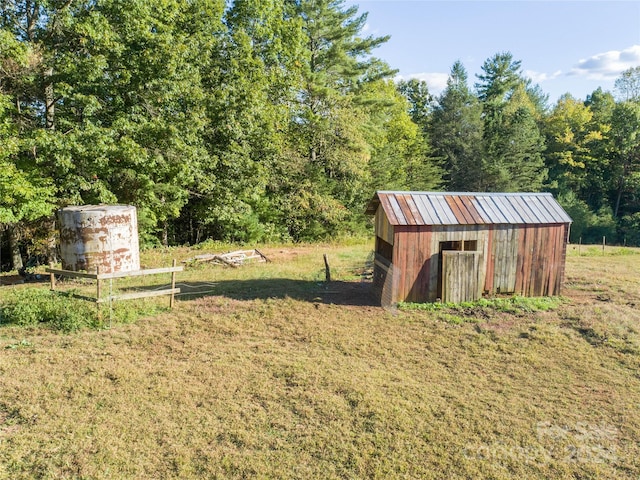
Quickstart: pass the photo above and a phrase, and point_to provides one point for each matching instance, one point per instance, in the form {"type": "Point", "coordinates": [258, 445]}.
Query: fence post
{"type": "Point", "coordinates": [327, 270]}
{"type": "Point", "coordinates": [52, 277]}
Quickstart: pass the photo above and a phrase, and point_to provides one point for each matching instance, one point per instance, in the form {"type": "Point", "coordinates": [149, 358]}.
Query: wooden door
{"type": "Point", "coordinates": [460, 276]}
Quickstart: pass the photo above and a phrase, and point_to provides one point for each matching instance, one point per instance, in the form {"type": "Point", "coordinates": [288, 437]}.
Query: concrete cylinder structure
{"type": "Point", "coordinates": [103, 237]}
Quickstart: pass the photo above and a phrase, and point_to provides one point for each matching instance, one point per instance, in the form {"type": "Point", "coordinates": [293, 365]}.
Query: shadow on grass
{"type": "Point", "coordinates": [337, 293]}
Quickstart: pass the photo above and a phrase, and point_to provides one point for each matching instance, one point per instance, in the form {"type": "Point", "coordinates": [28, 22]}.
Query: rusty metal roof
{"type": "Point", "coordinates": [444, 208]}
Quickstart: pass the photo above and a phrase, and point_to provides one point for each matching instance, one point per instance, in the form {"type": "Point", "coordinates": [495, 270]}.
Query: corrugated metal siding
{"type": "Point", "coordinates": [439, 208]}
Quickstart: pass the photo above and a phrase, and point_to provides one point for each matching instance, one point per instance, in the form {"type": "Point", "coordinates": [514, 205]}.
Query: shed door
{"type": "Point", "coordinates": [460, 276]}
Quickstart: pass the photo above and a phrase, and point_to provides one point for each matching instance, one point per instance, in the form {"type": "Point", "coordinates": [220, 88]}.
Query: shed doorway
{"type": "Point", "coordinates": [452, 246]}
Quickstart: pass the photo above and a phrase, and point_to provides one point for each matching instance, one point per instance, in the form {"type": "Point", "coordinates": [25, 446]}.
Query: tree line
{"type": "Point", "coordinates": [272, 120]}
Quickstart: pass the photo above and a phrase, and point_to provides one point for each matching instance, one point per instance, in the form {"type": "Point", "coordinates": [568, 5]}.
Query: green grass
{"type": "Point", "coordinates": [266, 371]}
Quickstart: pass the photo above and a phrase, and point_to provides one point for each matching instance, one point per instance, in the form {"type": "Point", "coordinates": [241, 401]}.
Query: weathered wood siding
{"type": "Point", "coordinates": [455, 233]}
{"type": "Point", "coordinates": [416, 257]}
{"type": "Point", "coordinates": [411, 252]}
{"type": "Point", "coordinates": [541, 258]}
{"type": "Point", "coordinates": [503, 259]}
{"type": "Point", "coordinates": [460, 276]}
{"type": "Point", "coordinates": [526, 259]}
{"type": "Point", "coordinates": [384, 229]}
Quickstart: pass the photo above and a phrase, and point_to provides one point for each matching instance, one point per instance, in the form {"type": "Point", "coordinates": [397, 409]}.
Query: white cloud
{"type": "Point", "coordinates": [436, 82]}
{"type": "Point", "coordinates": [539, 77]}
{"type": "Point", "coordinates": [608, 65]}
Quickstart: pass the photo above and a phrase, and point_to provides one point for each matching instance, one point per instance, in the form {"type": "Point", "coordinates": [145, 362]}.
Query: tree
{"type": "Point", "coordinates": [399, 149]}
{"type": "Point", "coordinates": [455, 133]}
{"type": "Point", "coordinates": [327, 172]}
{"type": "Point", "coordinates": [598, 172]}
{"type": "Point", "coordinates": [252, 86]}
{"type": "Point", "coordinates": [625, 155]}
{"type": "Point", "coordinates": [113, 112]}
{"type": "Point", "coordinates": [628, 85]}
{"type": "Point", "coordinates": [420, 100]}
{"type": "Point", "coordinates": [513, 144]}
{"type": "Point", "coordinates": [24, 194]}
{"type": "Point", "coordinates": [570, 137]}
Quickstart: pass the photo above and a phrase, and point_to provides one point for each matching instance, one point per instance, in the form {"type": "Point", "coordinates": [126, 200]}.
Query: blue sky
{"type": "Point", "coordinates": [564, 46]}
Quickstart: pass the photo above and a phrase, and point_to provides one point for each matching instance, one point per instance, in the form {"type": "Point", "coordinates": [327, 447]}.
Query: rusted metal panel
{"type": "Point", "coordinates": [386, 206]}
{"type": "Point", "coordinates": [469, 203]}
{"type": "Point", "coordinates": [415, 211]}
{"type": "Point", "coordinates": [444, 211]}
{"type": "Point", "coordinates": [435, 208]}
{"type": "Point", "coordinates": [397, 210]}
{"type": "Point", "coordinates": [406, 211]}
{"type": "Point", "coordinates": [426, 210]}
{"type": "Point", "coordinates": [103, 237]}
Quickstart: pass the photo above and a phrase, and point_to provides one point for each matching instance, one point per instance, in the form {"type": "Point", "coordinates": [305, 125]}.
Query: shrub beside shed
{"type": "Point", "coordinates": [459, 246]}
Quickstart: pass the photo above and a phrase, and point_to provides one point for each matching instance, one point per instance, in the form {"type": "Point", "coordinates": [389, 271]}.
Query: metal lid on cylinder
{"type": "Point", "coordinates": [99, 237]}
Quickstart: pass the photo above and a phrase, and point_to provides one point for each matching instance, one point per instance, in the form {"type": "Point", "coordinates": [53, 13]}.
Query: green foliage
{"type": "Point", "coordinates": [399, 150]}
{"type": "Point", "coordinates": [455, 133]}
{"type": "Point", "coordinates": [630, 229]}
{"type": "Point", "coordinates": [579, 212]}
{"type": "Point", "coordinates": [254, 121]}
{"type": "Point", "coordinates": [31, 307]}
{"type": "Point", "coordinates": [513, 144]}
{"type": "Point", "coordinates": [588, 225]}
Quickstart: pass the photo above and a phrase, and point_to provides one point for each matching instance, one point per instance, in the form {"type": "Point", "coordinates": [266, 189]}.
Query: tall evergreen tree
{"type": "Point", "coordinates": [513, 144]}
{"type": "Point", "coordinates": [455, 133]}
{"type": "Point", "coordinates": [328, 171]}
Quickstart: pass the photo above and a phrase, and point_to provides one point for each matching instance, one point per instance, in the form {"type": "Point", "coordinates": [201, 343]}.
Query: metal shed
{"type": "Point", "coordinates": [459, 246]}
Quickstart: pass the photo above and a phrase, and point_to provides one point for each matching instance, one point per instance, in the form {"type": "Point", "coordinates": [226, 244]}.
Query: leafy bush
{"type": "Point", "coordinates": [35, 306]}
{"type": "Point", "coordinates": [630, 229]}
{"type": "Point", "coordinates": [587, 225]}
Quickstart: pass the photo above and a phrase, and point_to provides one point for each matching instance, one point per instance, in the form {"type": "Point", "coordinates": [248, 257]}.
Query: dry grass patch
{"type": "Point", "coordinates": [272, 374]}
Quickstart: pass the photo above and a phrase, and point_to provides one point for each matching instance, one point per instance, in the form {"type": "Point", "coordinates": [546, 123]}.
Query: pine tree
{"type": "Point", "coordinates": [327, 150]}
{"type": "Point", "coordinates": [513, 144]}
{"type": "Point", "coordinates": [455, 133]}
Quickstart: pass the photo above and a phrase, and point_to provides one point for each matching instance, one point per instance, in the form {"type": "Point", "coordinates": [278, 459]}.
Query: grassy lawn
{"type": "Point", "coordinates": [265, 371]}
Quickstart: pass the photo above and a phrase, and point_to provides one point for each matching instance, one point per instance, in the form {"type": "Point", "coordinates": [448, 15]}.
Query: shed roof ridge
{"type": "Point", "coordinates": [465, 194]}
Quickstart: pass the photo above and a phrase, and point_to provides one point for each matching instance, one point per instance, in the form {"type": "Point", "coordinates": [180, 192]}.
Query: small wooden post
{"type": "Point", "coordinates": [173, 285]}
{"type": "Point", "coordinates": [52, 276]}
{"type": "Point", "coordinates": [604, 241]}
{"type": "Point", "coordinates": [580, 247]}
{"type": "Point", "coordinates": [327, 270]}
